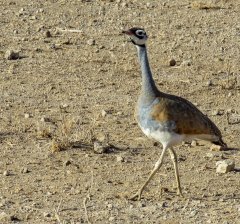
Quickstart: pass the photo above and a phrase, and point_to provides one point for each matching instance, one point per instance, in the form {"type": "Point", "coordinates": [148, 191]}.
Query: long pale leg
{"type": "Point", "coordinates": [175, 164]}
{"type": "Point", "coordinates": [157, 166]}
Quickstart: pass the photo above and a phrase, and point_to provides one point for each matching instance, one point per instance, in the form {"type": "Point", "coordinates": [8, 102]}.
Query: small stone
{"type": "Point", "coordinates": [120, 159]}
{"type": "Point", "coordinates": [46, 214]}
{"type": "Point", "coordinates": [11, 55]}
{"type": "Point", "coordinates": [67, 163]}
{"type": "Point", "coordinates": [141, 204]}
{"type": "Point", "coordinates": [194, 143]}
{"type": "Point", "coordinates": [217, 112]}
{"type": "Point", "coordinates": [193, 213]}
{"type": "Point", "coordinates": [111, 219]}
{"type": "Point", "coordinates": [110, 206]}
{"type": "Point", "coordinates": [210, 155]}
{"type": "Point", "coordinates": [3, 216]}
{"type": "Point", "coordinates": [186, 63]}
{"type": "Point", "coordinates": [234, 119]}
{"type": "Point", "coordinates": [48, 34]}
{"type": "Point", "coordinates": [91, 42]}
{"type": "Point", "coordinates": [6, 173]}
{"type": "Point", "coordinates": [229, 94]}
{"type": "Point", "coordinates": [216, 148]}
{"type": "Point", "coordinates": [104, 113]}
{"type": "Point", "coordinates": [225, 166]}
{"type": "Point", "coordinates": [172, 62]}
{"type": "Point", "coordinates": [27, 116]}
{"type": "Point", "coordinates": [99, 148]}
{"type": "Point", "coordinates": [24, 170]}
{"type": "Point", "coordinates": [45, 119]}
{"type": "Point", "coordinates": [209, 83]}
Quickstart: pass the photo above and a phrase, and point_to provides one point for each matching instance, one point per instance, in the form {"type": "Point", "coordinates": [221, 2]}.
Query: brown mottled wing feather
{"type": "Point", "coordinates": [189, 120]}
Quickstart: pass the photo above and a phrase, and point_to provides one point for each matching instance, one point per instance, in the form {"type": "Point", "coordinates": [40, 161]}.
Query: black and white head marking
{"type": "Point", "coordinates": [137, 35]}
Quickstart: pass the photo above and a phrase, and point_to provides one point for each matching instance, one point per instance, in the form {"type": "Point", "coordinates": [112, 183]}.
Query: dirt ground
{"type": "Point", "coordinates": [79, 82]}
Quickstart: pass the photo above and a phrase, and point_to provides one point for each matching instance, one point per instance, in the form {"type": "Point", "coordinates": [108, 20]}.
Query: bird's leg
{"type": "Point", "coordinates": [175, 164]}
{"type": "Point", "coordinates": [157, 166]}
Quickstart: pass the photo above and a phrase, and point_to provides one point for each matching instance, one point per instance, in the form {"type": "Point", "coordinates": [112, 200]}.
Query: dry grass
{"type": "Point", "coordinates": [204, 5]}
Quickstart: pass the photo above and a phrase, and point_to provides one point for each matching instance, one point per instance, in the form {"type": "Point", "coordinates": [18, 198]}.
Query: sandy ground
{"type": "Point", "coordinates": [69, 89]}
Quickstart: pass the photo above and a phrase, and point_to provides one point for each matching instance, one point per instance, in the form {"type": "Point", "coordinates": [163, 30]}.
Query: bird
{"type": "Point", "coordinates": [167, 118]}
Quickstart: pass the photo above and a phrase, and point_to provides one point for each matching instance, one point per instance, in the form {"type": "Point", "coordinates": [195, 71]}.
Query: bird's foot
{"type": "Point", "coordinates": [137, 196]}
{"type": "Point", "coordinates": [179, 193]}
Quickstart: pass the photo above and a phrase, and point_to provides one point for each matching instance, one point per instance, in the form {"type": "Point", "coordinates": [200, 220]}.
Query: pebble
{"type": "Point", "coordinates": [67, 163]}
{"type": "Point", "coordinates": [111, 219]}
{"type": "Point", "coordinates": [91, 42]}
{"type": "Point", "coordinates": [99, 148]}
{"type": "Point", "coordinates": [11, 55]}
{"type": "Point", "coordinates": [110, 206]}
{"type": "Point", "coordinates": [194, 143]}
{"type": "Point", "coordinates": [6, 173]}
{"type": "Point", "coordinates": [234, 119]}
{"type": "Point", "coordinates": [27, 116]}
{"type": "Point", "coordinates": [172, 62]}
{"type": "Point", "coordinates": [48, 34]}
{"type": "Point", "coordinates": [46, 214]}
{"type": "Point", "coordinates": [45, 119]}
{"type": "Point", "coordinates": [186, 63]}
{"type": "Point", "coordinates": [24, 170]}
{"type": "Point", "coordinates": [3, 216]}
{"type": "Point", "coordinates": [225, 166]}
{"type": "Point", "coordinates": [209, 83]}
{"type": "Point", "coordinates": [120, 159]}
{"type": "Point", "coordinates": [217, 112]}
{"type": "Point", "coordinates": [104, 113]}
{"type": "Point", "coordinates": [216, 148]}
{"type": "Point", "coordinates": [210, 155]}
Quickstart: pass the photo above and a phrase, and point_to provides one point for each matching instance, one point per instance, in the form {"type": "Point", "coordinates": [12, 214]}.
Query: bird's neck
{"type": "Point", "coordinates": [149, 89]}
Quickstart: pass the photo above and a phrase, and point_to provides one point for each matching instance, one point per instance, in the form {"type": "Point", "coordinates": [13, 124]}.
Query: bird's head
{"type": "Point", "coordinates": [137, 35]}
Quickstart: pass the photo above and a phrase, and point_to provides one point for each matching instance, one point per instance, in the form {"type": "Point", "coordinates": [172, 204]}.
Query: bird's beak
{"type": "Point", "coordinates": [127, 32]}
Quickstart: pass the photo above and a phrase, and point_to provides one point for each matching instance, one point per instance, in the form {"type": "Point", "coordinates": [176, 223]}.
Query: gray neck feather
{"type": "Point", "coordinates": [149, 89]}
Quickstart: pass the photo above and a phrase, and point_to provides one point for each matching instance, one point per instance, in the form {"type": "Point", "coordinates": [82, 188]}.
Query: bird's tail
{"type": "Point", "coordinates": [220, 142]}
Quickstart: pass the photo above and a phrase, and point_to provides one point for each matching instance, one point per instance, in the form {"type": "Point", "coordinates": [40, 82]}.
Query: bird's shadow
{"type": "Point", "coordinates": [110, 148]}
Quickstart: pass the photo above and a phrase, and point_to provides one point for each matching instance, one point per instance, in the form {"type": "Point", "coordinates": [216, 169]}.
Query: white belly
{"type": "Point", "coordinates": [168, 139]}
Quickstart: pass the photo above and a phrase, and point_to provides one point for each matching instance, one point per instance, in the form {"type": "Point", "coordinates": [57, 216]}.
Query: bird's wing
{"type": "Point", "coordinates": [188, 119]}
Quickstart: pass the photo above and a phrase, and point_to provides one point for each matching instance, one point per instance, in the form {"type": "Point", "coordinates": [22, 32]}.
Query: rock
{"type": "Point", "coordinates": [104, 113]}
{"type": "Point", "coordinates": [48, 34]}
{"type": "Point", "coordinates": [225, 166]}
{"type": "Point", "coordinates": [24, 170]}
{"type": "Point", "coordinates": [99, 148]}
{"type": "Point", "coordinates": [46, 214]}
{"type": "Point", "coordinates": [3, 216]}
{"type": "Point", "coordinates": [210, 155]}
{"type": "Point", "coordinates": [120, 159]}
{"type": "Point", "coordinates": [67, 163]}
{"type": "Point", "coordinates": [216, 148]}
{"type": "Point", "coordinates": [11, 55]}
{"type": "Point", "coordinates": [194, 143]}
{"type": "Point", "coordinates": [234, 119]}
{"type": "Point", "coordinates": [91, 42]}
{"type": "Point", "coordinates": [110, 206]}
{"type": "Point", "coordinates": [218, 112]}
{"type": "Point", "coordinates": [172, 62]}
{"type": "Point", "coordinates": [45, 119]}
{"type": "Point", "coordinates": [186, 63]}
{"type": "Point", "coordinates": [111, 219]}
{"type": "Point", "coordinates": [6, 173]}
{"type": "Point", "coordinates": [209, 83]}
{"type": "Point", "coordinates": [27, 116]}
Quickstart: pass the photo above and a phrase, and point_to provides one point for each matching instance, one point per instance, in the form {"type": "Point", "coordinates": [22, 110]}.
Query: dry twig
{"type": "Point", "coordinates": [86, 199]}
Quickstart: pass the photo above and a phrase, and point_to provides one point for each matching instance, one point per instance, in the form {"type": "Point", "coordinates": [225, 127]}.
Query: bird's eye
{"type": "Point", "coordinates": [140, 32]}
